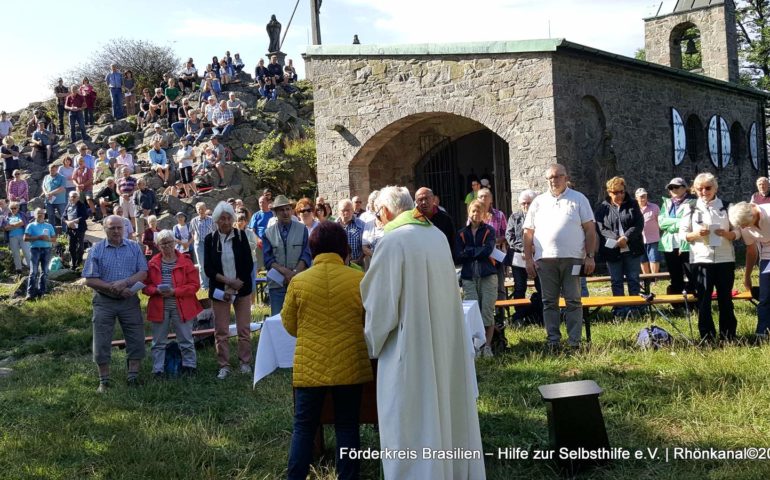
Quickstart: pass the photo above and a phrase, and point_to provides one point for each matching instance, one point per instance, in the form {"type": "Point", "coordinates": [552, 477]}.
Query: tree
{"type": "Point", "coordinates": [146, 60]}
{"type": "Point", "coordinates": [753, 23]}
{"type": "Point", "coordinates": [285, 165]}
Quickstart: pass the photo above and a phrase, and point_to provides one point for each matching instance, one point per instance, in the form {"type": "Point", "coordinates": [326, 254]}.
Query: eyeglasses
{"type": "Point", "coordinates": [706, 188]}
{"type": "Point", "coordinates": [554, 177]}
{"type": "Point", "coordinates": [165, 244]}
{"type": "Point", "coordinates": [525, 203]}
{"type": "Point", "coordinates": [14, 208]}
{"type": "Point", "coordinates": [616, 192]}
{"type": "Point", "coordinates": [675, 187]}
{"type": "Point", "coordinates": [377, 213]}
{"type": "Point", "coordinates": [307, 210]}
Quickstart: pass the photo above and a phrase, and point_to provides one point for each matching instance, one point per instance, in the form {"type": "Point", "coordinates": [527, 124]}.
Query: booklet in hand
{"type": "Point", "coordinates": [579, 270]}
{"type": "Point", "coordinates": [136, 287]}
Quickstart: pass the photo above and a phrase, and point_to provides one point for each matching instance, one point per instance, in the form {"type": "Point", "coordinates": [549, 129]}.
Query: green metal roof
{"type": "Point", "coordinates": [469, 48]}
{"type": "Point", "coordinates": [514, 46]}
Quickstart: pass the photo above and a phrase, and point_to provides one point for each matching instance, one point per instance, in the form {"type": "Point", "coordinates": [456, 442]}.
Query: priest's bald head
{"type": "Point", "coordinates": [392, 201]}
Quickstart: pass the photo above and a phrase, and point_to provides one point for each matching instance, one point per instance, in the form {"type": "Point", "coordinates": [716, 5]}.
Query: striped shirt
{"type": "Point", "coordinates": [201, 227]}
{"type": "Point", "coordinates": [111, 263]}
{"type": "Point", "coordinates": [169, 303]}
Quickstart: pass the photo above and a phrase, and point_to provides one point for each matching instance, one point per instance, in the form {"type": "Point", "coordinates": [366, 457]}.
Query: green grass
{"type": "Point", "coordinates": [54, 426]}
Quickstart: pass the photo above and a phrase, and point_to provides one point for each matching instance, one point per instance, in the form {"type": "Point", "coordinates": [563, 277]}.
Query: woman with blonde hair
{"type": "Point", "coordinates": [706, 227]}
{"type": "Point", "coordinates": [620, 224]}
{"type": "Point", "coordinates": [475, 243]}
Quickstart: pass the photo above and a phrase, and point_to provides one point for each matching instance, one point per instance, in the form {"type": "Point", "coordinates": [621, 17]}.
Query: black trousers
{"type": "Point", "coordinates": [76, 240]}
{"type": "Point", "coordinates": [678, 267]}
{"type": "Point", "coordinates": [721, 276]}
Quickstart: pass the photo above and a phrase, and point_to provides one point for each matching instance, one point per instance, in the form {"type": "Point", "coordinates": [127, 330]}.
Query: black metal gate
{"type": "Point", "coordinates": [437, 170]}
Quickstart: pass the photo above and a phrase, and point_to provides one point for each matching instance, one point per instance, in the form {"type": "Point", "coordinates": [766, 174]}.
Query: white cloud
{"type": "Point", "coordinates": [605, 24]}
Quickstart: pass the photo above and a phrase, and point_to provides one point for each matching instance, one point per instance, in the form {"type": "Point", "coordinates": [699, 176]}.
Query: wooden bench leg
{"type": "Point", "coordinates": [587, 322]}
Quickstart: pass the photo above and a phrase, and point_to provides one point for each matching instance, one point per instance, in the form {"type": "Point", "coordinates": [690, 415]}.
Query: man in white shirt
{"type": "Point", "coordinates": [754, 222]}
{"type": "Point", "coordinates": [559, 238]}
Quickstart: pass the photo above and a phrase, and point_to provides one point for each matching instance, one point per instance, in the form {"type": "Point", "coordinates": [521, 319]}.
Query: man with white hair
{"type": "Point", "coordinates": [559, 238]}
{"type": "Point", "coordinates": [754, 221]}
{"type": "Point", "coordinates": [415, 327]}
{"type": "Point", "coordinates": [514, 235]}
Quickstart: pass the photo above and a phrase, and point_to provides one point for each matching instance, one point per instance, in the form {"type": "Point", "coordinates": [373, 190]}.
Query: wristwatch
{"type": "Point", "coordinates": [590, 255]}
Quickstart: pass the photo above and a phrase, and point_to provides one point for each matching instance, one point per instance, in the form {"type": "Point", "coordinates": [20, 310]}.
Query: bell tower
{"type": "Point", "coordinates": [699, 35]}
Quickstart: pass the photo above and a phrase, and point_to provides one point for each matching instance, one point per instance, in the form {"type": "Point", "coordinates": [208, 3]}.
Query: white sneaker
{"type": "Point", "coordinates": [486, 352]}
{"type": "Point", "coordinates": [245, 369]}
{"type": "Point", "coordinates": [224, 372]}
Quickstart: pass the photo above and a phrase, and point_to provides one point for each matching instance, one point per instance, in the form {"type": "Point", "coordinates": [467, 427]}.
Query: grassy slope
{"type": "Point", "coordinates": [54, 426]}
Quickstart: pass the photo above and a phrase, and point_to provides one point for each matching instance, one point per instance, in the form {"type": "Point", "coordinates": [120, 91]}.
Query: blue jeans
{"type": "Point", "coordinates": [117, 103]}
{"type": "Point", "coordinates": [51, 209]}
{"type": "Point", "coordinates": [89, 116]}
{"type": "Point", "coordinates": [178, 128]}
{"type": "Point", "coordinates": [308, 402]}
{"type": "Point", "coordinates": [277, 296]}
{"type": "Point", "coordinates": [77, 117]}
{"type": "Point", "coordinates": [38, 271]}
{"type": "Point", "coordinates": [224, 131]}
{"type": "Point", "coordinates": [629, 266]}
{"type": "Point", "coordinates": [763, 308]}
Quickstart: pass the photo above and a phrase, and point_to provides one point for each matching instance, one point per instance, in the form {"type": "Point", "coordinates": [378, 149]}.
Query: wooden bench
{"type": "Point", "coordinates": [646, 280]}
{"type": "Point", "coordinates": [597, 303]}
{"type": "Point", "coordinates": [196, 333]}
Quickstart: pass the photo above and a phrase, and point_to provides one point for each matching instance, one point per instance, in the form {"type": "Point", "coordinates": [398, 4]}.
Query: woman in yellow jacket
{"type": "Point", "coordinates": [323, 309]}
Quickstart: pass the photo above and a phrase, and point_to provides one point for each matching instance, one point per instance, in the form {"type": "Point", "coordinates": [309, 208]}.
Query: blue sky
{"type": "Point", "coordinates": [46, 38]}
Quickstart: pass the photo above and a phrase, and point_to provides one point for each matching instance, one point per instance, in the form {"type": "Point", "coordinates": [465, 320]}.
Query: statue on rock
{"type": "Point", "coordinates": [274, 32]}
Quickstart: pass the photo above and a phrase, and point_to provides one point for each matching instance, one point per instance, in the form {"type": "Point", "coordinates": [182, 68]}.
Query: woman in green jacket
{"type": "Point", "coordinates": [676, 250]}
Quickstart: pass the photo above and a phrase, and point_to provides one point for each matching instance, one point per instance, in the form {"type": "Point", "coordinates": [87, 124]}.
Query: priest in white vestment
{"type": "Point", "coordinates": [414, 326]}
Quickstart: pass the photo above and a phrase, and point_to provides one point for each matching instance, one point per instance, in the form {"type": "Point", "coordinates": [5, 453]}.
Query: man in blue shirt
{"type": "Point", "coordinates": [114, 81]}
{"type": "Point", "coordinates": [259, 223]}
{"type": "Point", "coordinates": [159, 162]}
{"type": "Point", "coordinates": [55, 193]}
{"type": "Point", "coordinates": [40, 234]}
{"type": "Point", "coordinates": [113, 268]}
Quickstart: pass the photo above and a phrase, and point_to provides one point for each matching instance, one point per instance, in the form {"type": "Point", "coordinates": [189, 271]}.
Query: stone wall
{"type": "Point", "coordinates": [636, 105]}
{"type": "Point", "coordinates": [719, 40]}
{"type": "Point", "coordinates": [375, 100]}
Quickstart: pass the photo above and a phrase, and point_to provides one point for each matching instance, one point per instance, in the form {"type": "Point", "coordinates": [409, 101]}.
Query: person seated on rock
{"type": "Point", "coordinates": [224, 74]}
{"type": "Point", "coordinates": [289, 73]}
{"type": "Point", "coordinates": [108, 198]}
{"type": "Point", "coordinates": [146, 114]}
{"type": "Point", "coordinates": [10, 155]}
{"type": "Point", "coordinates": [87, 157]}
{"type": "Point", "coordinates": [223, 120]}
{"type": "Point", "coordinates": [219, 158]}
{"type": "Point", "coordinates": [188, 76]}
{"type": "Point", "coordinates": [210, 108]}
{"type": "Point", "coordinates": [159, 136]}
{"type": "Point", "coordinates": [260, 73]}
{"type": "Point", "coordinates": [41, 142]}
{"type": "Point", "coordinates": [37, 117]}
{"type": "Point", "coordinates": [238, 63]}
{"type": "Point", "coordinates": [274, 70]}
{"type": "Point", "coordinates": [237, 107]}
{"type": "Point", "coordinates": [158, 103]}
{"type": "Point", "coordinates": [102, 169]}
{"type": "Point", "coordinates": [124, 161]}
{"type": "Point", "coordinates": [178, 126]}
{"type": "Point", "coordinates": [112, 152]}
{"type": "Point", "coordinates": [159, 162]}
{"type": "Point", "coordinates": [192, 124]}
{"type": "Point", "coordinates": [268, 91]}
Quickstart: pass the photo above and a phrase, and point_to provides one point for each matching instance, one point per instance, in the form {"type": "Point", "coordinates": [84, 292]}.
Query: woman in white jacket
{"type": "Point", "coordinates": [712, 256]}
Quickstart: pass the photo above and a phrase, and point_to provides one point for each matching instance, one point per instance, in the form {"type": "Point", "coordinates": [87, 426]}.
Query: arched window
{"type": "Point", "coordinates": [685, 47]}
{"type": "Point", "coordinates": [695, 138]}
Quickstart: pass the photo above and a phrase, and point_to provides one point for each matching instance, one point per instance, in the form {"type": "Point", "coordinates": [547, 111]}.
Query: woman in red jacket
{"type": "Point", "coordinates": [87, 91]}
{"type": "Point", "coordinates": [172, 282]}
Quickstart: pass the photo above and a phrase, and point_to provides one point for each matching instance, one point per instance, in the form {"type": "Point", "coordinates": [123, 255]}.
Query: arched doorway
{"type": "Point", "coordinates": [439, 150]}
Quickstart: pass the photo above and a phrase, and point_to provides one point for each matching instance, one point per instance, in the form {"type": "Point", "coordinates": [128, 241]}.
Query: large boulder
{"type": "Point", "coordinates": [246, 133]}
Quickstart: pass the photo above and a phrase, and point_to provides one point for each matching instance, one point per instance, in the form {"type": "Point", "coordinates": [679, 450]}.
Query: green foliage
{"type": "Point", "coordinates": [285, 165]}
{"type": "Point", "coordinates": [125, 139]}
{"type": "Point", "coordinates": [754, 42]}
{"type": "Point", "coordinates": [640, 54]}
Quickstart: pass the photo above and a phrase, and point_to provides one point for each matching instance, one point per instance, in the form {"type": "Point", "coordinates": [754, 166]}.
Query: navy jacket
{"type": "Point", "coordinates": [607, 220]}
{"type": "Point", "coordinates": [478, 249]}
